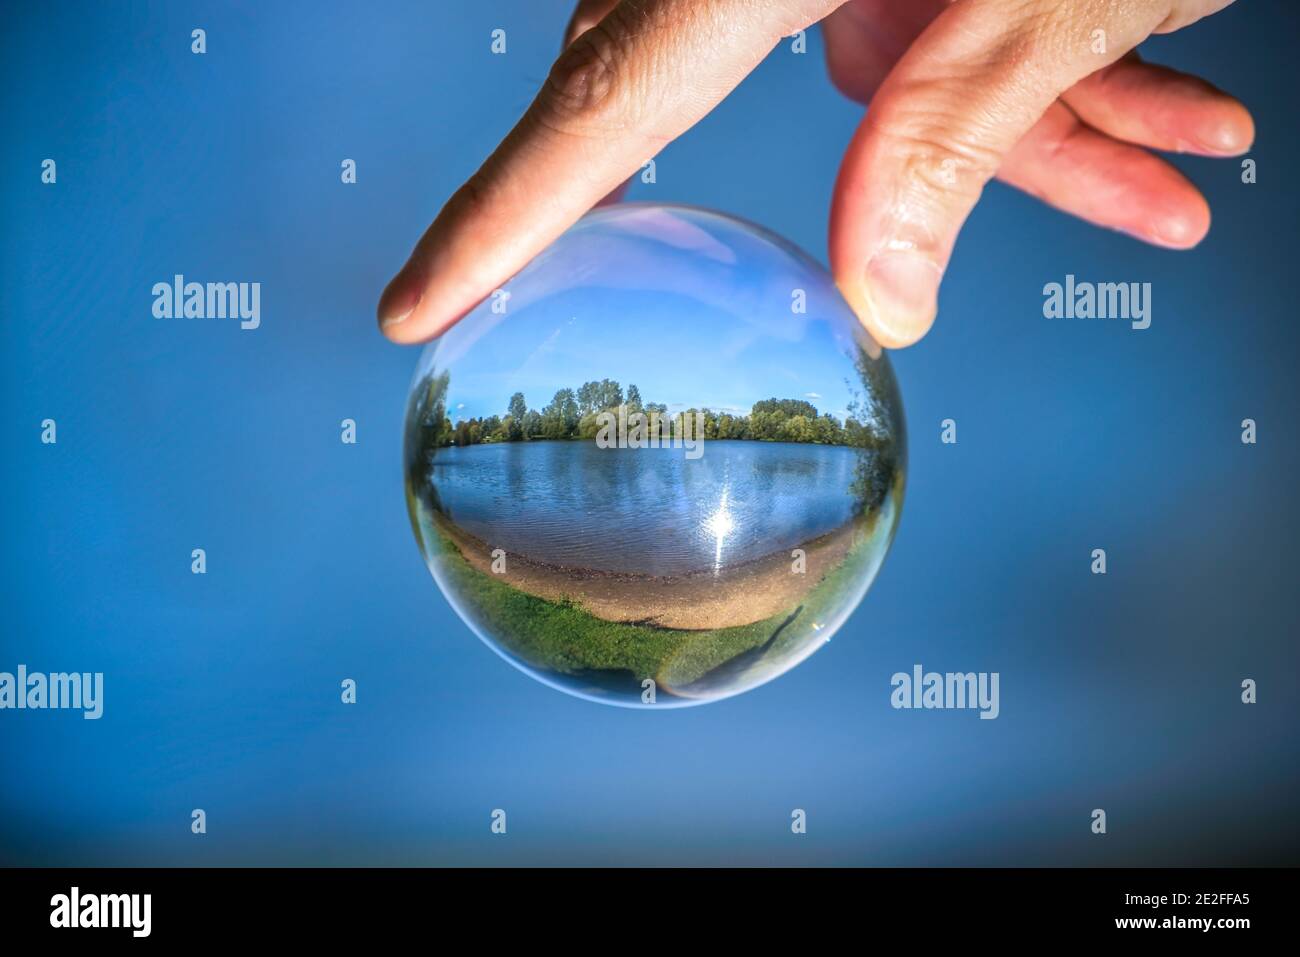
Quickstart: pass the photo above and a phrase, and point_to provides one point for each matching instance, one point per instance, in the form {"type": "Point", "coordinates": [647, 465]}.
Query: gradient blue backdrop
{"type": "Point", "coordinates": [222, 691]}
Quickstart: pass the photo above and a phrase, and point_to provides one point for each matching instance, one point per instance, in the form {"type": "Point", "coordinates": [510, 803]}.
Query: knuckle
{"type": "Point", "coordinates": [473, 196]}
{"type": "Point", "coordinates": [942, 152]}
{"type": "Point", "coordinates": [581, 94]}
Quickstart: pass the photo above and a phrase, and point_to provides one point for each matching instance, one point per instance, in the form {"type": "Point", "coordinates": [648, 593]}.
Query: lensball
{"type": "Point", "coordinates": [662, 465]}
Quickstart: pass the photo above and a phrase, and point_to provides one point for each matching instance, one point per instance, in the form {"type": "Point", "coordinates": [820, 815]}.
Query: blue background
{"type": "Point", "coordinates": [222, 691]}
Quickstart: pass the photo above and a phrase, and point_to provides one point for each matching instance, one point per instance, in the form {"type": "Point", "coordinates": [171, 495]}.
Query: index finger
{"type": "Point", "coordinates": [643, 75]}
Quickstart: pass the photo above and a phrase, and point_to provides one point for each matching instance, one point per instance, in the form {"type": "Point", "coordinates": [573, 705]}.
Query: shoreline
{"type": "Point", "coordinates": [700, 601]}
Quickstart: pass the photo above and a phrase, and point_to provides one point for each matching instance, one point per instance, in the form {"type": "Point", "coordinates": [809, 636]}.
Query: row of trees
{"type": "Point", "coordinates": [573, 414]}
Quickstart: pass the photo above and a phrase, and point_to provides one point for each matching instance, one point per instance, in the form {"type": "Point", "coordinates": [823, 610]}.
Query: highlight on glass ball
{"type": "Point", "coordinates": [662, 465]}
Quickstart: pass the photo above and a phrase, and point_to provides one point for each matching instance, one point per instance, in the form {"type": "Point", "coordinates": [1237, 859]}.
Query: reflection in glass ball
{"type": "Point", "coordinates": [662, 465]}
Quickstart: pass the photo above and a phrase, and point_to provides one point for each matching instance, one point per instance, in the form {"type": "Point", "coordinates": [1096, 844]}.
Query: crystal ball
{"type": "Point", "coordinates": [662, 465]}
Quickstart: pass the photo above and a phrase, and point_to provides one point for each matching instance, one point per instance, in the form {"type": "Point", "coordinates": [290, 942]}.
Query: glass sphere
{"type": "Point", "coordinates": [662, 465]}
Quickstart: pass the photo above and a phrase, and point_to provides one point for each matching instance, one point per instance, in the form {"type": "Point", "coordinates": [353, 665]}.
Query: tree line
{"type": "Point", "coordinates": [572, 414]}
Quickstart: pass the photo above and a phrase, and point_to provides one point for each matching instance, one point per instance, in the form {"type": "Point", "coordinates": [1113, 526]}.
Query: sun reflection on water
{"type": "Point", "coordinates": [720, 524]}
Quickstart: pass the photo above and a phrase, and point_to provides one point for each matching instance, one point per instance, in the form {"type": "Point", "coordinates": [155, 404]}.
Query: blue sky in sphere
{"type": "Point", "coordinates": [616, 299]}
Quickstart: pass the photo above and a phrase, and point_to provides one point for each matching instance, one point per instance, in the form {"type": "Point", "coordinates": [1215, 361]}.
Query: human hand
{"type": "Point", "coordinates": [1047, 95]}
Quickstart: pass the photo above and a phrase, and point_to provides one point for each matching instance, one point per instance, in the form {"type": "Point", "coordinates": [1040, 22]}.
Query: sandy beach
{"type": "Point", "coordinates": [738, 595]}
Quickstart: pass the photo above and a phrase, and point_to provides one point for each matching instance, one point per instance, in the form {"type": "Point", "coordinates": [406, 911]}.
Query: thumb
{"type": "Point", "coordinates": [978, 78]}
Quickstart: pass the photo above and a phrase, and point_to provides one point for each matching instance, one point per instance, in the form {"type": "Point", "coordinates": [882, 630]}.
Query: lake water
{"type": "Point", "coordinates": [647, 511]}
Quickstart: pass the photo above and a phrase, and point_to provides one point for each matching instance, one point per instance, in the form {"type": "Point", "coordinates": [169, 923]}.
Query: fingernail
{"type": "Point", "coordinates": [1174, 231]}
{"type": "Point", "coordinates": [1223, 138]}
{"type": "Point", "coordinates": [899, 297]}
{"type": "Point", "coordinates": [398, 301]}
